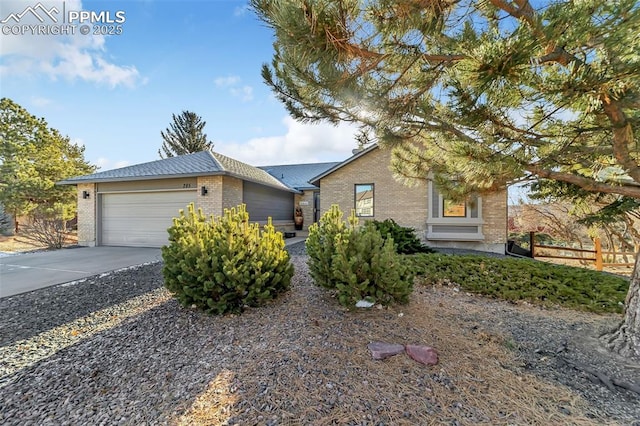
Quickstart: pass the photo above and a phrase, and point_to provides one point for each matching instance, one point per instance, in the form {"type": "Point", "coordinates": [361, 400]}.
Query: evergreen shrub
{"type": "Point", "coordinates": [321, 243]}
{"type": "Point", "coordinates": [525, 279]}
{"type": "Point", "coordinates": [405, 239]}
{"type": "Point", "coordinates": [225, 263]}
{"type": "Point", "coordinates": [357, 262]}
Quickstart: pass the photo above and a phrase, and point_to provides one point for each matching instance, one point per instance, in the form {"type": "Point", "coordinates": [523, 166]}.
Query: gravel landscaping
{"type": "Point", "coordinates": [117, 349]}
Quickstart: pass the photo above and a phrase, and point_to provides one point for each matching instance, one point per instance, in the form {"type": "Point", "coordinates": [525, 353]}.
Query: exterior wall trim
{"type": "Point", "coordinates": [134, 191]}
{"type": "Point", "coordinates": [477, 222]}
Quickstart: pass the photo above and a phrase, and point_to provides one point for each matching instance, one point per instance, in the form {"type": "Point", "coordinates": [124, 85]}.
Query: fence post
{"type": "Point", "coordinates": [532, 243]}
{"type": "Point", "coordinates": [598, 254]}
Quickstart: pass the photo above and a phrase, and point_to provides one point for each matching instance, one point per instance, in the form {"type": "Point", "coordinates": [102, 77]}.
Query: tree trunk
{"type": "Point", "coordinates": [625, 340]}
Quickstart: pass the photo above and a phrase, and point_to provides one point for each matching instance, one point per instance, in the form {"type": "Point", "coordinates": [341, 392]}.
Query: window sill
{"type": "Point", "coordinates": [455, 237]}
{"type": "Point", "coordinates": [455, 221]}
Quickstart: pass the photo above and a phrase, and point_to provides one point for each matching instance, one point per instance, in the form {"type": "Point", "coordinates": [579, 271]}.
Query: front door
{"type": "Point", "coordinates": [316, 206]}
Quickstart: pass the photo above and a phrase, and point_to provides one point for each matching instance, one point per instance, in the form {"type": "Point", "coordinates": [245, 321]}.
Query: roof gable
{"type": "Point", "coordinates": [204, 163]}
{"type": "Point", "coordinates": [316, 179]}
{"type": "Point", "coordinates": [292, 177]}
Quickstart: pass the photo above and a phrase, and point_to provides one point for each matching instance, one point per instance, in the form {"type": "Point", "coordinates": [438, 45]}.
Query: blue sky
{"type": "Point", "coordinates": [114, 94]}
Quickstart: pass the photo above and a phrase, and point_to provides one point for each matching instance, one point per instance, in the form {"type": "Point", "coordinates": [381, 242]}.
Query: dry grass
{"type": "Point", "coordinates": [22, 243]}
{"type": "Point", "coordinates": [312, 366]}
{"type": "Point", "coordinates": [13, 244]}
{"type": "Point", "coordinates": [621, 270]}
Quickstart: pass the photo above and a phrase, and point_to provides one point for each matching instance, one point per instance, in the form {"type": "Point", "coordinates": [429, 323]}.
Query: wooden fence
{"type": "Point", "coordinates": [599, 257]}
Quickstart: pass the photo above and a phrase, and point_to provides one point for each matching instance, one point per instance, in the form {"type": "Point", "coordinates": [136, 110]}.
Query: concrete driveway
{"type": "Point", "coordinates": [20, 273]}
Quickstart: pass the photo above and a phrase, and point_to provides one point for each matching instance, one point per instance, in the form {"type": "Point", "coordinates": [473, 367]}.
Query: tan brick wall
{"type": "Point", "coordinates": [224, 192]}
{"type": "Point", "coordinates": [87, 215]}
{"type": "Point", "coordinates": [494, 213]}
{"type": "Point", "coordinates": [231, 192]}
{"type": "Point", "coordinates": [211, 202]}
{"type": "Point", "coordinates": [406, 205]}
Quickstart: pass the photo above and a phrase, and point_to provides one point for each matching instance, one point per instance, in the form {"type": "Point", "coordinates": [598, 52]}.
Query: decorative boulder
{"type": "Point", "coordinates": [422, 354]}
{"type": "Point", "coordinates": [364, 304]}
{"type": "Point", "coordinates": [382, 350]}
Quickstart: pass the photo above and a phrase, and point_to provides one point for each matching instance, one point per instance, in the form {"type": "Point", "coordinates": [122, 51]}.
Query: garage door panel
{"type": "Point", "coordinates": [140, 219]}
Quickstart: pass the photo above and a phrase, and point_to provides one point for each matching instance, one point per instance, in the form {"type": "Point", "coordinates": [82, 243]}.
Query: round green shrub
{"type": "Point", "coordinates": [320, 246]}
{"type": "Point", "coordinates": [224, 264]}
{"type": "Point", "coordinates": [357, 262]}
{"type": "Point", "coordinates": [404, 238]}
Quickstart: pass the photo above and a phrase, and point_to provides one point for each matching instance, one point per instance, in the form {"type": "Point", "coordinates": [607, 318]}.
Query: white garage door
{"type": "Point", "coordinates": [140, 219]}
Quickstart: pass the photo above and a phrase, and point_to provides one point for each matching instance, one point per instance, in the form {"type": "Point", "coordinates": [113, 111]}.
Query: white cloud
{"type": "Point", "coordinates": [106, 164]}
{"type": "Point", "coordinates": [67, 56]}
{"type": "Point", "coordinates": [229, 81]}
{"type": "Point", "coordinates": [40, 101]}
{"type": "Point", "coordinates": [245, 93]}
{"type": "Point", "coordinates": [232, 83]}
{"type": "Point", "coordinates": [302, 143]}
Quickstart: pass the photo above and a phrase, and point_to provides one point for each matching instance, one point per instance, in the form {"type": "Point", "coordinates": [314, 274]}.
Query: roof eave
{"type": "Point", "coordinates": [131, 178]}
{"type": "Point", "coordinates": [259, 182]}
{"type": "Point", "coordinates": [173, 176]}
{"type": "Point", "coordinates": [316, 180]}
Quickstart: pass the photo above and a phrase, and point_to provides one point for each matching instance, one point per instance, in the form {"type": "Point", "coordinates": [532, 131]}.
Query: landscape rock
{"type": "Point", "coordinates": [422, 354]}
{"type": "Point", "coordinates": [364, 304]}
{"type": "Point", "coordinates": [382, 350]}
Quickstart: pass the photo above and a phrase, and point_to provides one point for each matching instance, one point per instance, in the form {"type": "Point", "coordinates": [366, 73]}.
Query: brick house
{"type": "Point", "coordinates": [134, 205]}
{"type": "Point", "coordinates": [364, 183]}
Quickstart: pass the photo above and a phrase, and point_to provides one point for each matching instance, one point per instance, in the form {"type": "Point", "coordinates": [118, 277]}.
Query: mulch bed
{"type": "Point", "coordinates": [498, 365]}
{"type": "Point", "coordinates": [303, 360]}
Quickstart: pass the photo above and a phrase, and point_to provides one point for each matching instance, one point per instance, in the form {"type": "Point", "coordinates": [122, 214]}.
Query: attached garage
{"type": "Point", "coordinates": [134, 205]}
{"type": "Point", "coordinates": [140, 219]}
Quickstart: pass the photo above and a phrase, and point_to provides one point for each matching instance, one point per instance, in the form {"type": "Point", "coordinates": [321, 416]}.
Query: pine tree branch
{"type": "Point", "coordinates": [353, 50]}
{"type": "Point", "coordinates": [585, 183]}
{"type": "Point", "coordinates": [560, 56]}
{"type": "Point", "coordinates": [622, 137]}
{"type": "Point", "coordinates": [525, 12]}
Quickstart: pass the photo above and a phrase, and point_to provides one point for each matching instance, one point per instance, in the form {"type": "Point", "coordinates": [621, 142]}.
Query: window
{"type": "Point", "coordinates": [453, 209]}
{"type": "Point", "coordinates": [453, 221]}
{"type": "Point", "coordinates": [442, 207]}
{"type": "Point", "coordinates": [364, 200]}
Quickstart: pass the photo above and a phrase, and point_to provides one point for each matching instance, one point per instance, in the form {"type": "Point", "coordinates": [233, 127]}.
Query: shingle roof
{"type": "Point", "coordinates": [298, 175]}
{"type": "Point", "coordinates": [198, 164]}
{"type": "Point", "coordinates": [247, 172]}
